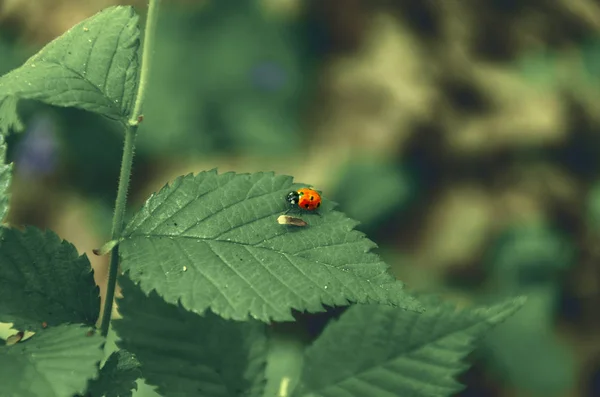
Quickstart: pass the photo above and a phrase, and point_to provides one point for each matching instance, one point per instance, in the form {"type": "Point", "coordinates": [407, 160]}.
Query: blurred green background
{"type": "Point", "coordinates": [464, 135]}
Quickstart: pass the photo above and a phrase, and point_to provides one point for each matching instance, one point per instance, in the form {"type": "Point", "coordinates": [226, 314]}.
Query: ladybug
{"type": "Point", "coordinates": [306, 199]}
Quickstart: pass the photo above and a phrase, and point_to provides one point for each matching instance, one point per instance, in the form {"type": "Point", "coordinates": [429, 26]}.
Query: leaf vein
{"type": "Point", "coordinates": [302, 299]}
{"type": "Point", "coordinates": [309, 278]}
{"type": "Point", "coordinates": [252, 287]}
{"type": "Point", "coordinates": [260, 218]}
{"type": "Point", "coordinates": [86, 80]}
{"type": "Point", "coordinates": [112, 59]}
{"type": "Point", "coordinates": [217, 212]}
{"type": "Point", "coordinates": [210, 280]}
{"type": "Point", "coordinates": [91, 50]}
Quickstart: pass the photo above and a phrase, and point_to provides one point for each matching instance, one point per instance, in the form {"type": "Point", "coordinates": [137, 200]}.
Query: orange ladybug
{"type": "Point", "coordinates": [305, 198]}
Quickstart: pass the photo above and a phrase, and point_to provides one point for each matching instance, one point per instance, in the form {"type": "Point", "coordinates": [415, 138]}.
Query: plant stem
{"type": "Point", "coordinates": [117, 224]}
{"type": "Point", "coordinates": [148, 43]}
{"type": "Point", "coordinates": [126, 163]}
{"type": "Point", "coordinates": [287, 342]}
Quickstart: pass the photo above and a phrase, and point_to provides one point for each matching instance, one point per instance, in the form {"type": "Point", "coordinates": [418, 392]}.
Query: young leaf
{"type": "Point", "coordinates": [213, 241]}
{"type": "Point", "coordinates": [93, 66]}
{"type": "Point", "coordinates": [5, 178]}
{"type": "Point", "coordinates": [44, 280]}
{"type": "Point", "coordinates": [383, 351]}
{"type": "Point", "coordinates": [185, 354]}
{"type": "Point", "coordinates": [117, 377]}
{"type": "Point", "coordinates": [56, 362]}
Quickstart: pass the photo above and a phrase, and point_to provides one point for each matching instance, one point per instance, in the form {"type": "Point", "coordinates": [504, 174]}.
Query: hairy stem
{"type": "Point", "coordinates": [126, 163]}
{"type": "Point", "coordinates": [117, 224]}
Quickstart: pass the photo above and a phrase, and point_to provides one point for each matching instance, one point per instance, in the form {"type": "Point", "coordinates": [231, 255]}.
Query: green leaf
{"type": "Point", "coordinates": [43, 279]}
{"type": "Point", "coordinates": [525, 352]}
{"type": "Point", "coordinates": [538, 364]}
{"type": "Point", "coordinates": [186, 354]}
{"type": "Point", "coordinates": [9, 118]}
{"type": "Point", "coordinates": [213, 241]}
{"type": "Point", "coordinates": [93, 66]}
{"type": "Point", "coordinates": [382, 351]}
{"type": "Point", "coordinates": [5, 179]}
{"type": "Point", "coordinates": [530, 254]}
{"type": "Point", "coordinates": [56, 362]}
{"type": "Point", "coordinates": [118, 376]}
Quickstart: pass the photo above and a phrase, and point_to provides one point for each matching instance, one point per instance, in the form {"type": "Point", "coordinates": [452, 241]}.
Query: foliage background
{"type": "Point", "coordinates": [463, 135]}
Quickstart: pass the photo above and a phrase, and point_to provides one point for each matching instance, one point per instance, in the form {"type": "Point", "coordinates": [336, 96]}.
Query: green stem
{"type": "Point", "coordinates": [287, 342]}
{"type": "Point", "coordinates": [151, 21]}
{"type": "Point", "coordinates": [117, 224]}
{"type": "Point", "coordinates": [126, 163]}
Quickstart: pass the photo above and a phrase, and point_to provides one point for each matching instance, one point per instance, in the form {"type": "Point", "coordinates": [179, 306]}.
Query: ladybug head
{"type": "Point", "coordinates": [292, 198]}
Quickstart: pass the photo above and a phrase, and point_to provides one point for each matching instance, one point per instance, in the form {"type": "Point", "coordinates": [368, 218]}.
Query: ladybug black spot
{"type": "Point", "coordinates": [306, 205]}
{"type": "Point", "coordinates": [318, 205]}
{"type": "Point", "coordinates": [312, 198]}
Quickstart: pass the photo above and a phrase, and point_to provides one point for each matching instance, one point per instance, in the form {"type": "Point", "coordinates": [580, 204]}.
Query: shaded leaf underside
{"type": "Point", "coordinates": [117, 377]}
{"type": "Point", "coordinates": [376, 350]}
{"type": "Point", "coordinates": [43, 279]}
{"type": "Point", "coordinates": [186, 354]}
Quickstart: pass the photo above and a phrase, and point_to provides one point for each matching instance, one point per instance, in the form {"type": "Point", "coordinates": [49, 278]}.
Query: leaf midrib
{"type": "Point", "coordinates": [405, 353]}
{"type": "Point", "coordinates": [109, 102]}
{"type": "Point", "coordinates": [286, 254]}
{"type": "Point", "coordinates": [88, 81]}
{"type": "Point", "coordinates": [333, 268]}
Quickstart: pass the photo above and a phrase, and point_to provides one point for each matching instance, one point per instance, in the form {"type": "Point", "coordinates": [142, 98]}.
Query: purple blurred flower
{"type": "Point", "coordinates": [37, 152]}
